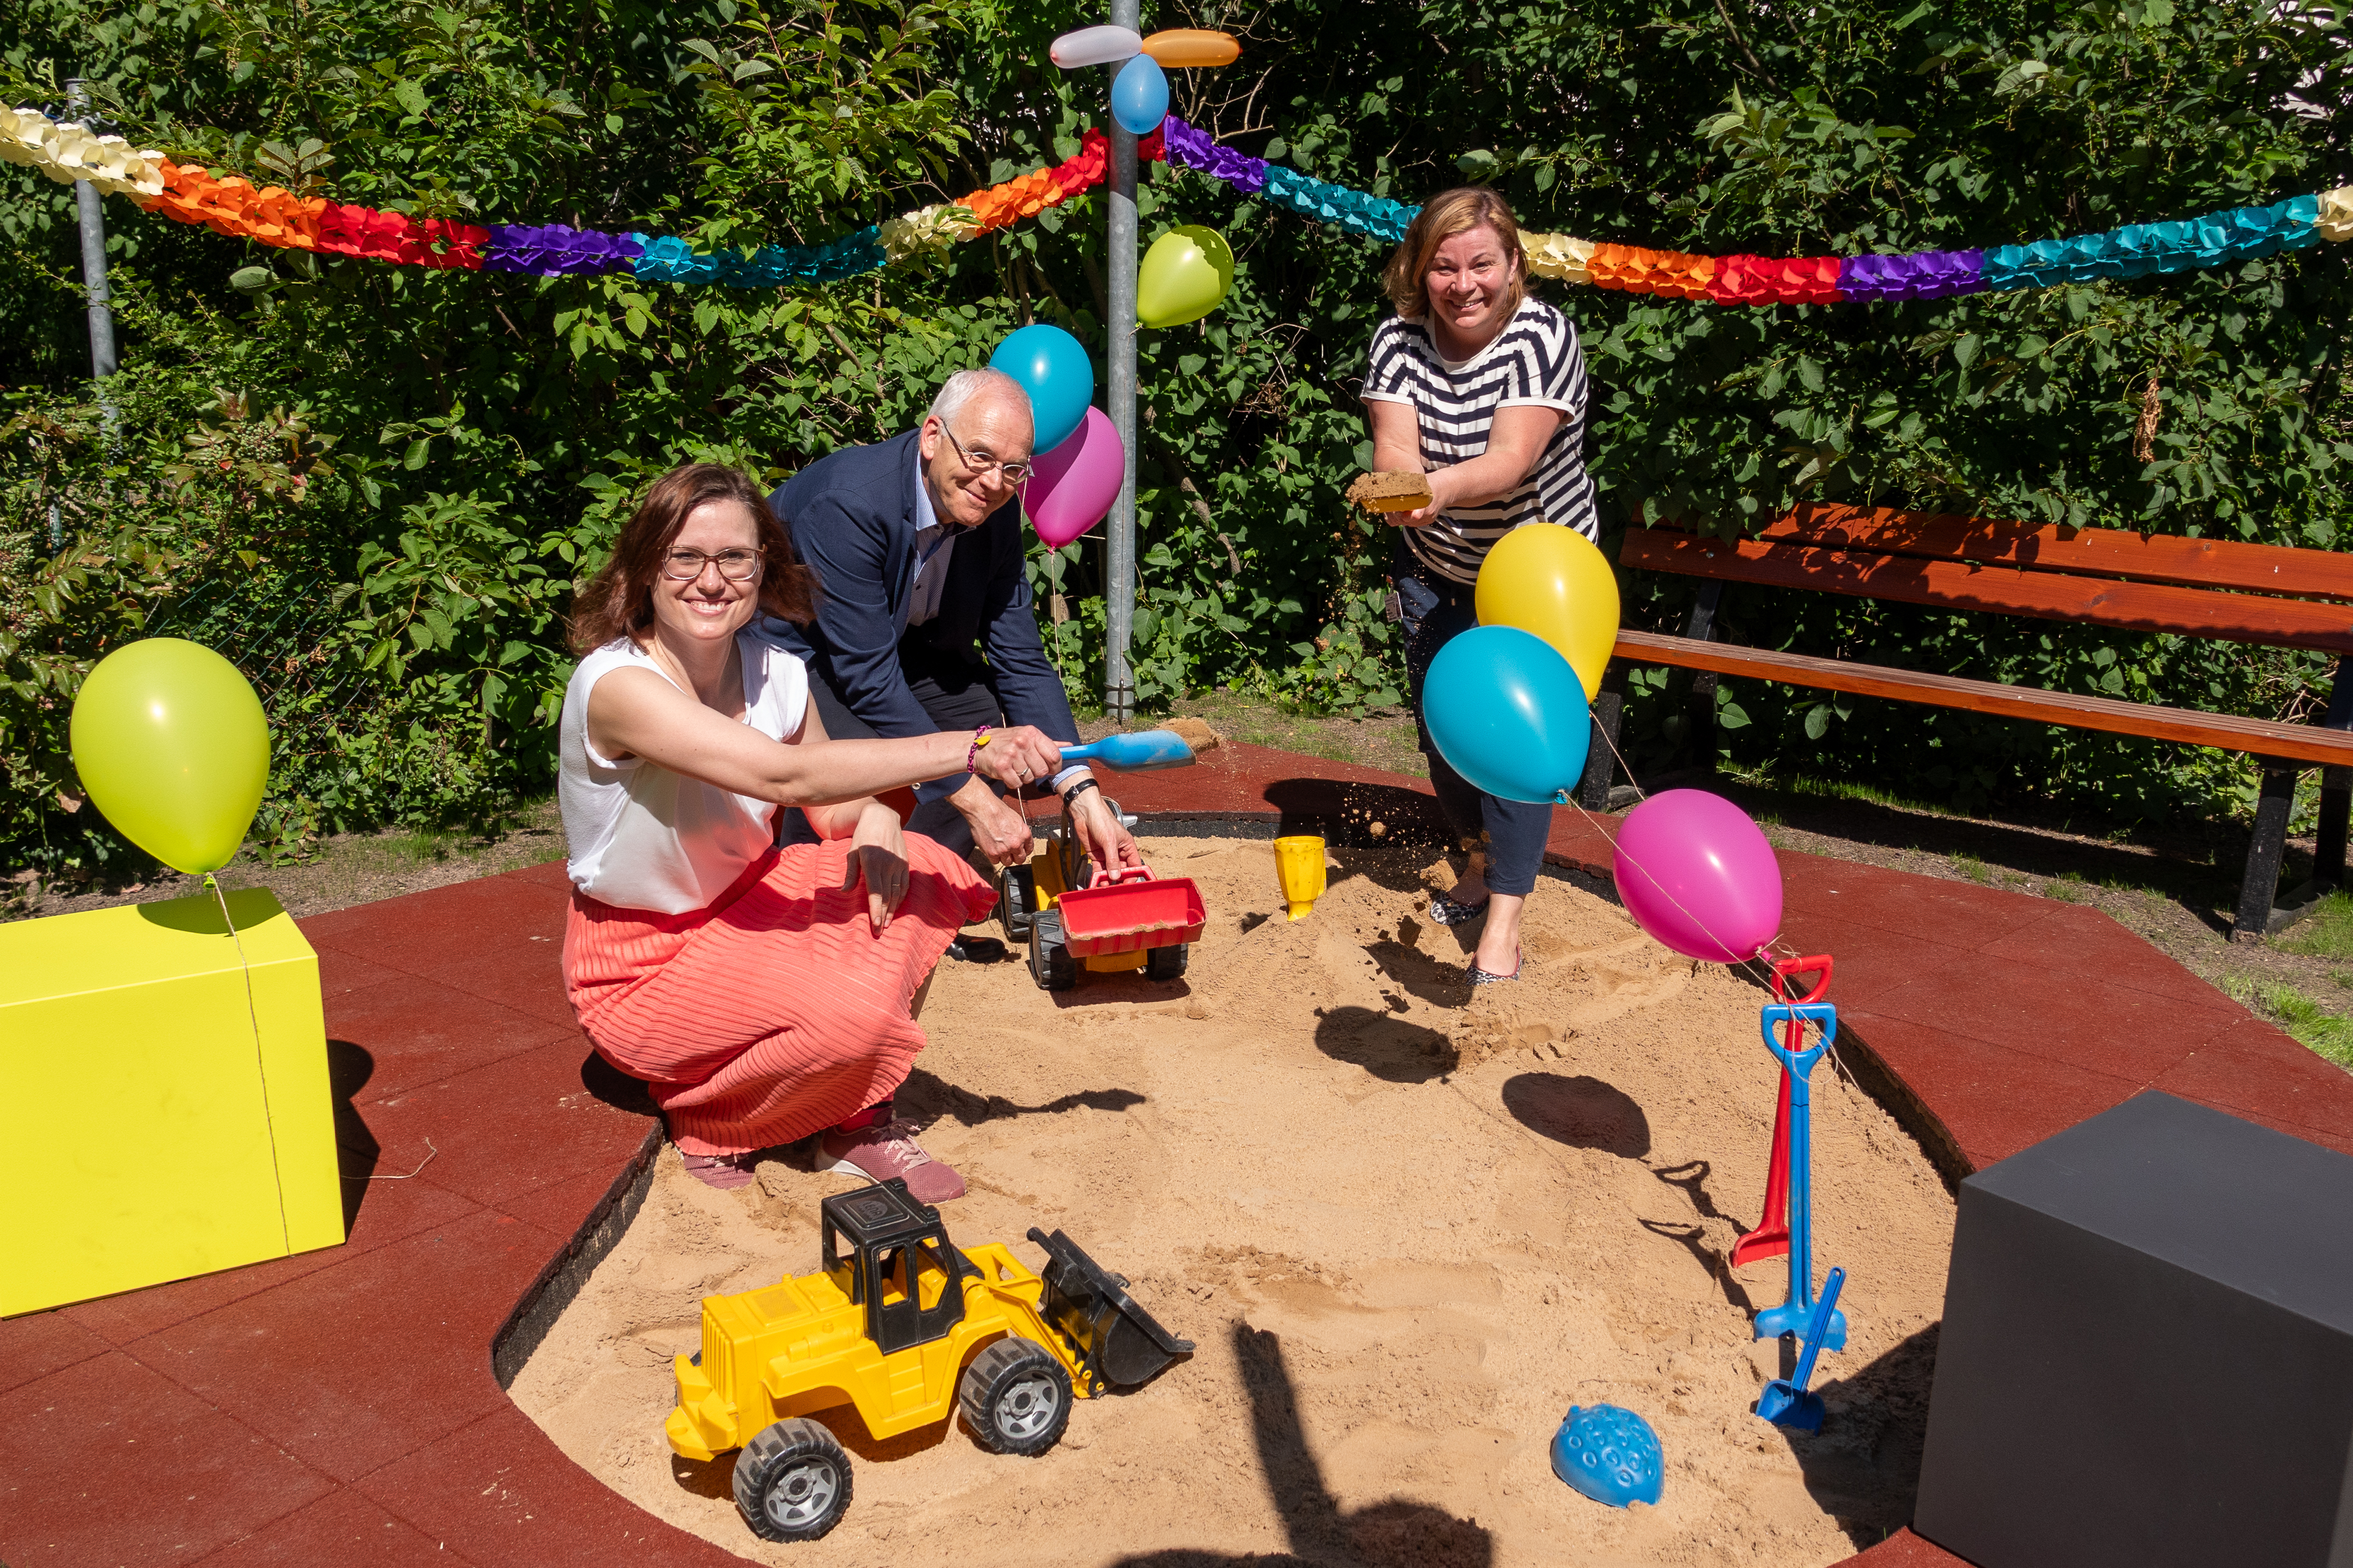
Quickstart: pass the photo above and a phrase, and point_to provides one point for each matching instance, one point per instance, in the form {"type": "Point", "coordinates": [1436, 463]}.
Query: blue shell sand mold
{"type": "Point", "coordinates": [1610, 1455]}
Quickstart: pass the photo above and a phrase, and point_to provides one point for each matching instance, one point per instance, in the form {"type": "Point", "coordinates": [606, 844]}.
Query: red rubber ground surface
{"type": "Point", "coordinates": [340, 1407]}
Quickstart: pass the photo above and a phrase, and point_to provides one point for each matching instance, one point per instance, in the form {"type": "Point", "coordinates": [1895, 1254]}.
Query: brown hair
{"type": "Point", "coordinates": [1444, 215]}
{"type": "Point", "coordinates": [620, 599]}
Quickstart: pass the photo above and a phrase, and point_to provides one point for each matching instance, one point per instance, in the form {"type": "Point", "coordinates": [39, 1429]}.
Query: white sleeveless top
{"type": "Point", "coordinates": [643, 837]}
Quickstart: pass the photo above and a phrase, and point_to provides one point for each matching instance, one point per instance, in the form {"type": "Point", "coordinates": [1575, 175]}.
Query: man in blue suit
{"type": "Point", "coordinates": [926, 622]}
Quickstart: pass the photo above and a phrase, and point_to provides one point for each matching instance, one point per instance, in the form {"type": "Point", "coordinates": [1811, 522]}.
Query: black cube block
{"type": "Point", "coordinates": [2148, 1351]}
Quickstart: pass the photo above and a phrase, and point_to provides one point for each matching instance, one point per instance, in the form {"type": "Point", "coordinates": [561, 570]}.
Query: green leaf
{"type": "Point", "coordinates": [410, 96]}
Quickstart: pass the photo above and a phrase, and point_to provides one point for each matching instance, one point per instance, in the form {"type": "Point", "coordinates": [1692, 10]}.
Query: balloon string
{"type": "Point", "coordinates": [253, 1016]}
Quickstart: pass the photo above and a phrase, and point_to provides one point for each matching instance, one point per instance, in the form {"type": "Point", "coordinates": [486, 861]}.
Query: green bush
{"type": "Point", "coordinates": [466, 441]}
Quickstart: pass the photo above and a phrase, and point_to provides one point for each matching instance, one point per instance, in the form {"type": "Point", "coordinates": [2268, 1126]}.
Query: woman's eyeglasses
{"type": "Point", "coordinates": [986, 462]}
{"type": "Point", "coordinates": [735, 565]}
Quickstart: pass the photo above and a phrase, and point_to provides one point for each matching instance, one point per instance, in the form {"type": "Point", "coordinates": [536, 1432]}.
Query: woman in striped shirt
{"type": "Point", "coordinates": [765, 995]}
{"type": "Point", "coordinates": [1483, 388]}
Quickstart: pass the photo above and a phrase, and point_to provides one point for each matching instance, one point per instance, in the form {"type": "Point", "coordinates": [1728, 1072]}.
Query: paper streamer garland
{"type": "Point", "coordinates": [70, 153]}
{"type": "Point", "coordinates": [236, 207]}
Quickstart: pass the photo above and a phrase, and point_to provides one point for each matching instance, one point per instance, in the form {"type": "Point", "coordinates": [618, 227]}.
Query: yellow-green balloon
{"type": "Point", "coordinates": [171, 744]}
{"type": "Point", "coordinates": [1184, 275]}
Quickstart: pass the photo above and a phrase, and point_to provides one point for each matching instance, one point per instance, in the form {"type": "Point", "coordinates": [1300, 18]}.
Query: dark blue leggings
{"type": "Point", "coordinates": [1435, 610]}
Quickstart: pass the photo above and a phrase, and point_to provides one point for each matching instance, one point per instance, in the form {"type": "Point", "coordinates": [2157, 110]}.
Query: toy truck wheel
{"type": "Point", "coordinates": [792, 1481]}
{"type": "Point", "coordinates": [1019, 901]}
{"type": "Point", "coordinates": [1018, 1398]}
{"type": "Point", "coordinates": [1050, 963]}
{"type": "Point", "coordinates": [1165, 962]}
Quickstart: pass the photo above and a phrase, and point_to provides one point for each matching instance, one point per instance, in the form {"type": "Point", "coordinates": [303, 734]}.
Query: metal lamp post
{"type": "Point", "coordinates": [1119, 587]}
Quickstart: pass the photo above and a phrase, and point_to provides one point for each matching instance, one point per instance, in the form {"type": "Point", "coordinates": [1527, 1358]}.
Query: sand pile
{"type": "Point", "coordinates": [1407, 1230]}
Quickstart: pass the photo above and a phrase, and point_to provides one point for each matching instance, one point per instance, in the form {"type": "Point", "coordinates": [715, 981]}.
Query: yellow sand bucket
{"type": "Point", "coordinates": [1300, 862]}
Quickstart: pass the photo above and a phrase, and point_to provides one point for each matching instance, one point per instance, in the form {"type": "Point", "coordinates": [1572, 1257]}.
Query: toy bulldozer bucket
{"type": "Point", "coordinates": [1128, 910]}
{"type": "Point", "coordinates": [1116, 1341]}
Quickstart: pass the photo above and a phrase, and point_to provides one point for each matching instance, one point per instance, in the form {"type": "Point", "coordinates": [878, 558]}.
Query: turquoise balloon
{"type": "Point", "coordinates": [1053, 369]}
{"type": "Point", "coordinates": [1508, 714]}
{"type": "Point", "coordinates": [1139, 96]}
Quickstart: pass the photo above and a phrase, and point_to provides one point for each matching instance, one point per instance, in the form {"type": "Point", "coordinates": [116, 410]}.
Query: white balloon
{"type": "Point", "coordinates": [1096, 47]}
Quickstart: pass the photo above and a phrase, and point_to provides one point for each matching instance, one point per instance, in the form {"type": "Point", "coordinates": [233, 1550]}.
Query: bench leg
{"type": "Point", "coordinates": [2336, 807]}
{"type": "Point", "coordinates": [2264, 853]}
{"type": "Point", "coordinates": [1601, 755]}
{"type": "Point", "coordinates": [1699, 712]}
{"type": "Point", "coordinates": [2336, 786]}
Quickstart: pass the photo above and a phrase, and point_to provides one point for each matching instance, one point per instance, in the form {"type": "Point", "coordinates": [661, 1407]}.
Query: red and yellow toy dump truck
{"type": "Point", "coordinates": [1078, 918]}
{"type": "Point", "coordinates": [901, 1327]}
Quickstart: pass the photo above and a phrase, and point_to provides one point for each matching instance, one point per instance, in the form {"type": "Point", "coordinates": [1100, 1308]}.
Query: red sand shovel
{"type": "Point", "coordinates": [1772, 1237]}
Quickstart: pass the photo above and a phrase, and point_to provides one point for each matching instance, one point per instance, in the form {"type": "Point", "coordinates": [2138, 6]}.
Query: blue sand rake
{"type": "Point", "coordinates": [1793, 1315]}
{"type": "Point", "coordinates": [1785, 1402]}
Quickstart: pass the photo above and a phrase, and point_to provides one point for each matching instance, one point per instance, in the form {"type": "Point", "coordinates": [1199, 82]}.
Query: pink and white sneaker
{"type": "Point", "coordinates": [725, 1171]}
{"type": "Point", "coordinates": [885, 1148]}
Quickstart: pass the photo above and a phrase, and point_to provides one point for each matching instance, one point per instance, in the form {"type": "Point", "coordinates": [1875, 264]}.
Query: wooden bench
{"type": "Point", "coordinates": [2191, 587]}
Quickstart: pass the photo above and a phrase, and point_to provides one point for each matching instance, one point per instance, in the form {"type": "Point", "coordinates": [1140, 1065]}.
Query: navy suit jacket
{"type": "Point", "coordinates": [852, 516]}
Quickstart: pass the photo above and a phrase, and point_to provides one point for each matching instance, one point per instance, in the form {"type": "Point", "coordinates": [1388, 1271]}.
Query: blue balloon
{"type": "Point", "coordinates": [1053, 369]}
{"type": "Point", "coordinates": [1139, 96]}
{"type": "Point", "coordinates": [1508, 714]}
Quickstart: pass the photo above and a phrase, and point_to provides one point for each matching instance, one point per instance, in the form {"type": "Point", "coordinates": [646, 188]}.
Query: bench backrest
{"type": "Point", "coordinates": [2192, 587]}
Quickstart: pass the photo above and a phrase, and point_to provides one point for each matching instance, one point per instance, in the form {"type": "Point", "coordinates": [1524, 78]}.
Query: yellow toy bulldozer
{"type": "Point", "coordinates": [902, 1326]}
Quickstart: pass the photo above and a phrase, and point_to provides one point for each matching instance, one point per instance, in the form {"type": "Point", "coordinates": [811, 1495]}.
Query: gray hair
{"type": "Point", "coordinates": [966, 384]}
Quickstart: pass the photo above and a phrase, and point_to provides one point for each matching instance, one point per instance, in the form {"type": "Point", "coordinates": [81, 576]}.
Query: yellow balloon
{"type": "Point", "coordinates": [1550, 582]}
{"type": "Point", "coordinates": [1184, 275]}
{"type": "Point", "coordinates": [172, 745]}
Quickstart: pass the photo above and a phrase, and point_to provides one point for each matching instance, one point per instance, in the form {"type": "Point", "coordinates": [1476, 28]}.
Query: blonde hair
{"type": "Point", "coordinates": [1442, 217]}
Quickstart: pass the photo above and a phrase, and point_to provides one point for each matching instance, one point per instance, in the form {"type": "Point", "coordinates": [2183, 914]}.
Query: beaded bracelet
{"type": "Point", "coordinates": [972, 752]}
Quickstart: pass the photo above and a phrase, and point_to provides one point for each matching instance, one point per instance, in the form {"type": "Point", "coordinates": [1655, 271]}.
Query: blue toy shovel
{"type": "Point", "coordinates": [1793, 1316]}
{"type": "Point", "coordinates": [1138, 753]}
{"type": "Point", "coordinates": [1785, 1402]}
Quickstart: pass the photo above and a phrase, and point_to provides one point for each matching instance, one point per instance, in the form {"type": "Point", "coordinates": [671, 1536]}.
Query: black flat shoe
{"type": "Point", "coordinates": [1446, 911]}
{"type": "Point", "coordinates": [976, 950]}
{"type": "Point", "coordinates": [1484, 977]}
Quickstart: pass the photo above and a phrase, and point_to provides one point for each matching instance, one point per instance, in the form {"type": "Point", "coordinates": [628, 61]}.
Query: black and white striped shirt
{"type": "Point", "coordinates": [1534, 360]}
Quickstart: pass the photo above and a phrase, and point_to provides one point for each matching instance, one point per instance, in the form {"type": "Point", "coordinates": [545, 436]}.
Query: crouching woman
{"type": "Point", "coordinates": [765, 995]}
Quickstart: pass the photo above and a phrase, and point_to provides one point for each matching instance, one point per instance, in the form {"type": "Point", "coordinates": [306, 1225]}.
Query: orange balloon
{"type": "Point", "coordinates": [1193, 46]}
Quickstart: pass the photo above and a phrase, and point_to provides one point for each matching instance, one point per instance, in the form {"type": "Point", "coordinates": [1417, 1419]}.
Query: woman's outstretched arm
{"type": "Point", "coordinates": [1515, 439]}
{"type": "Point", "coordinates": [634, 712]}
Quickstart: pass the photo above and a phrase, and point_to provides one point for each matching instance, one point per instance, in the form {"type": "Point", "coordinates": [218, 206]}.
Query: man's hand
{"type": "Point", "coordinates": [999, 831]}
{"type": "Point", "coordinates": [878, 855]}
{"type": "Point", "coordinates": [1112, 846]}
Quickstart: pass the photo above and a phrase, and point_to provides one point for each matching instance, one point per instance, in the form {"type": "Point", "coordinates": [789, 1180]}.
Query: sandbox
{"type": "Point", "coordinates": [1407, 1228]}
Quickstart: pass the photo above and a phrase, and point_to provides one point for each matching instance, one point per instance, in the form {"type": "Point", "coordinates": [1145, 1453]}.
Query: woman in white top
{"type": "Point", "coordinates": [1483, 388]}
{"type": "Point", "coordinates": [763, 994]}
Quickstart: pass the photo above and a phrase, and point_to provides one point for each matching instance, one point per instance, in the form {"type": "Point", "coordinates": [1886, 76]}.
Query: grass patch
{"type": "Point", "coordinates": [2326, 932]}
{"type": "Point", "coordinates": [2318, 1030]}
{"type": "Point", "coordinates": [1841, 789]}
{"type": "Point", "coordinates": [1972, 868]}
{"type": "Point", "coordinates": [2067, 887]}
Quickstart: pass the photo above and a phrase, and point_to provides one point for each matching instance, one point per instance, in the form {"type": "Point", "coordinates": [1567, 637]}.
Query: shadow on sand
{"type": "Point", "coordinates": [1391, 1534]}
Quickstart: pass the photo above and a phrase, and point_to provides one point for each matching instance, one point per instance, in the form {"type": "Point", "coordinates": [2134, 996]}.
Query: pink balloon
{"type": "Point", "coordinates": [1073, 485]}
{"type": "Point", "coordinates": [1697, 874]}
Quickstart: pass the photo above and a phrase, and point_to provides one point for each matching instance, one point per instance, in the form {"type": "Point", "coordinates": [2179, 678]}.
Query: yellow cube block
{"type": "Point", "coordinates": [156, 1123]}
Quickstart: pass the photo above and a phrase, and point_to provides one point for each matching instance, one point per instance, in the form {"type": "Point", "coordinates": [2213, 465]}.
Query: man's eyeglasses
{"type": "Point", "coordinates": [986, 462]}
{"type": "Point", "coordinates": [735, 565]}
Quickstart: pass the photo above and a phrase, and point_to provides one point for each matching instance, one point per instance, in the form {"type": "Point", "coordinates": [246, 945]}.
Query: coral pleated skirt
{"type": "Point", "coordinates": [778, 1011]}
